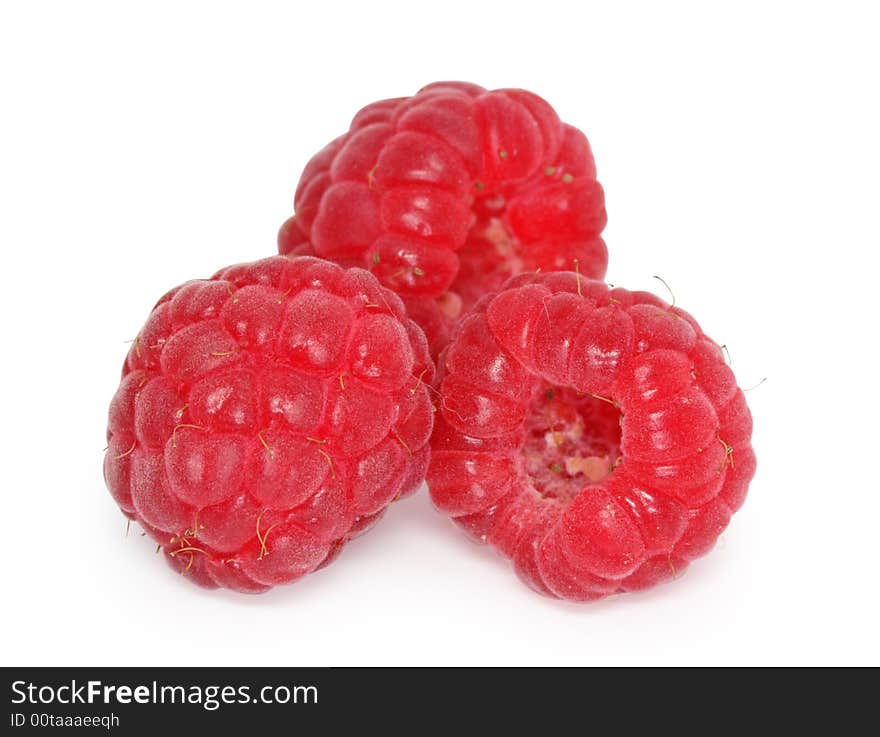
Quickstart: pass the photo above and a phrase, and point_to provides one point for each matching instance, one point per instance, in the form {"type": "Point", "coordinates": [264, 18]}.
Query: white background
{"type": "Point", "coordinates": [142, 144]}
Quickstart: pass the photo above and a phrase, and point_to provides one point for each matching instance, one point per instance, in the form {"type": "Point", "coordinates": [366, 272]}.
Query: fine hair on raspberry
{"type": "Point", "coordinates": [267, 416]}
{"type": "Point", "coordinates": [446, 194]}
{"type": "Point", "coordinates": [594, 436]}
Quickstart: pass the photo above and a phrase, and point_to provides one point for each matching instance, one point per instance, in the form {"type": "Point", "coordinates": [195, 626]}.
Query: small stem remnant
{"type": "Point", "coordinates": [324, 453]}
{"type": "Point", "coordinates": [186, 549]}
{"type": "Point", "coordinates": [605, 399]}
{"type": "Point", "coordinates": [329, 462]}
{"type": "Point", "coordinates": [401, 441]}
{"type": "Point", "coordinates": [671, 293]}
{"type": "Point", "coordinates": [193, 531]}
{"type": "Point", "coordinates": [192, 550]}
{"type": "Point", "coordinates": [177, 427]}
{"type": "Point", "coordinates": [419, 382]}
{"type": "Point", "coordinates": [445, 406]}
{"type": "Point", "coordinates": [728, 454]}
{"type": "Point", "coordinates": [756, 385]}
{"type": "Point", "coordinates": [261, 536]}
{"type": "Point", "coordinates": [126, 453]}
{"type": "Point", "coordinates": [414, 270]}
{"type": "Point", "coordinates": [265, 444]}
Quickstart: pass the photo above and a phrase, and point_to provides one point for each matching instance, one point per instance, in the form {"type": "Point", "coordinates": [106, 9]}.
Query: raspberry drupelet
{"type": "Point", "coordinates": [446, 194]}
{"type": "Point", "coordinates": [267, 416]}
{"type": "Point", "coordinates": [595, 436]}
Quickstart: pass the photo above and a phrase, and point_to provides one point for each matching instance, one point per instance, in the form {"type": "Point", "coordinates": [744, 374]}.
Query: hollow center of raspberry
{"type": "Point", "coordinates": [504, 248]}
{"type": "Point", "coordinates": [492, 253]}
{"type": "Point", "coordinates": [572, 441]}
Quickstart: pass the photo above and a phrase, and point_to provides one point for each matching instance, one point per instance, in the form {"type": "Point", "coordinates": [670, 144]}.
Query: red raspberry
{"type": "Point", "coordinates": [594, 436]}
{"type": "Point", "coordinates": [267, 416]}
{"type": "Point", "coordinates": [453, 189]}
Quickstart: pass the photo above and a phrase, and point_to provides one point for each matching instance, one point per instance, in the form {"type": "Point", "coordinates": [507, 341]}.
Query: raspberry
{"type": "Point", "coordinates": [266, 416]}
{"type": "Point", "coordinates": [592, 435]}
{"type": "Point", "coordinates": [453, 190]}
